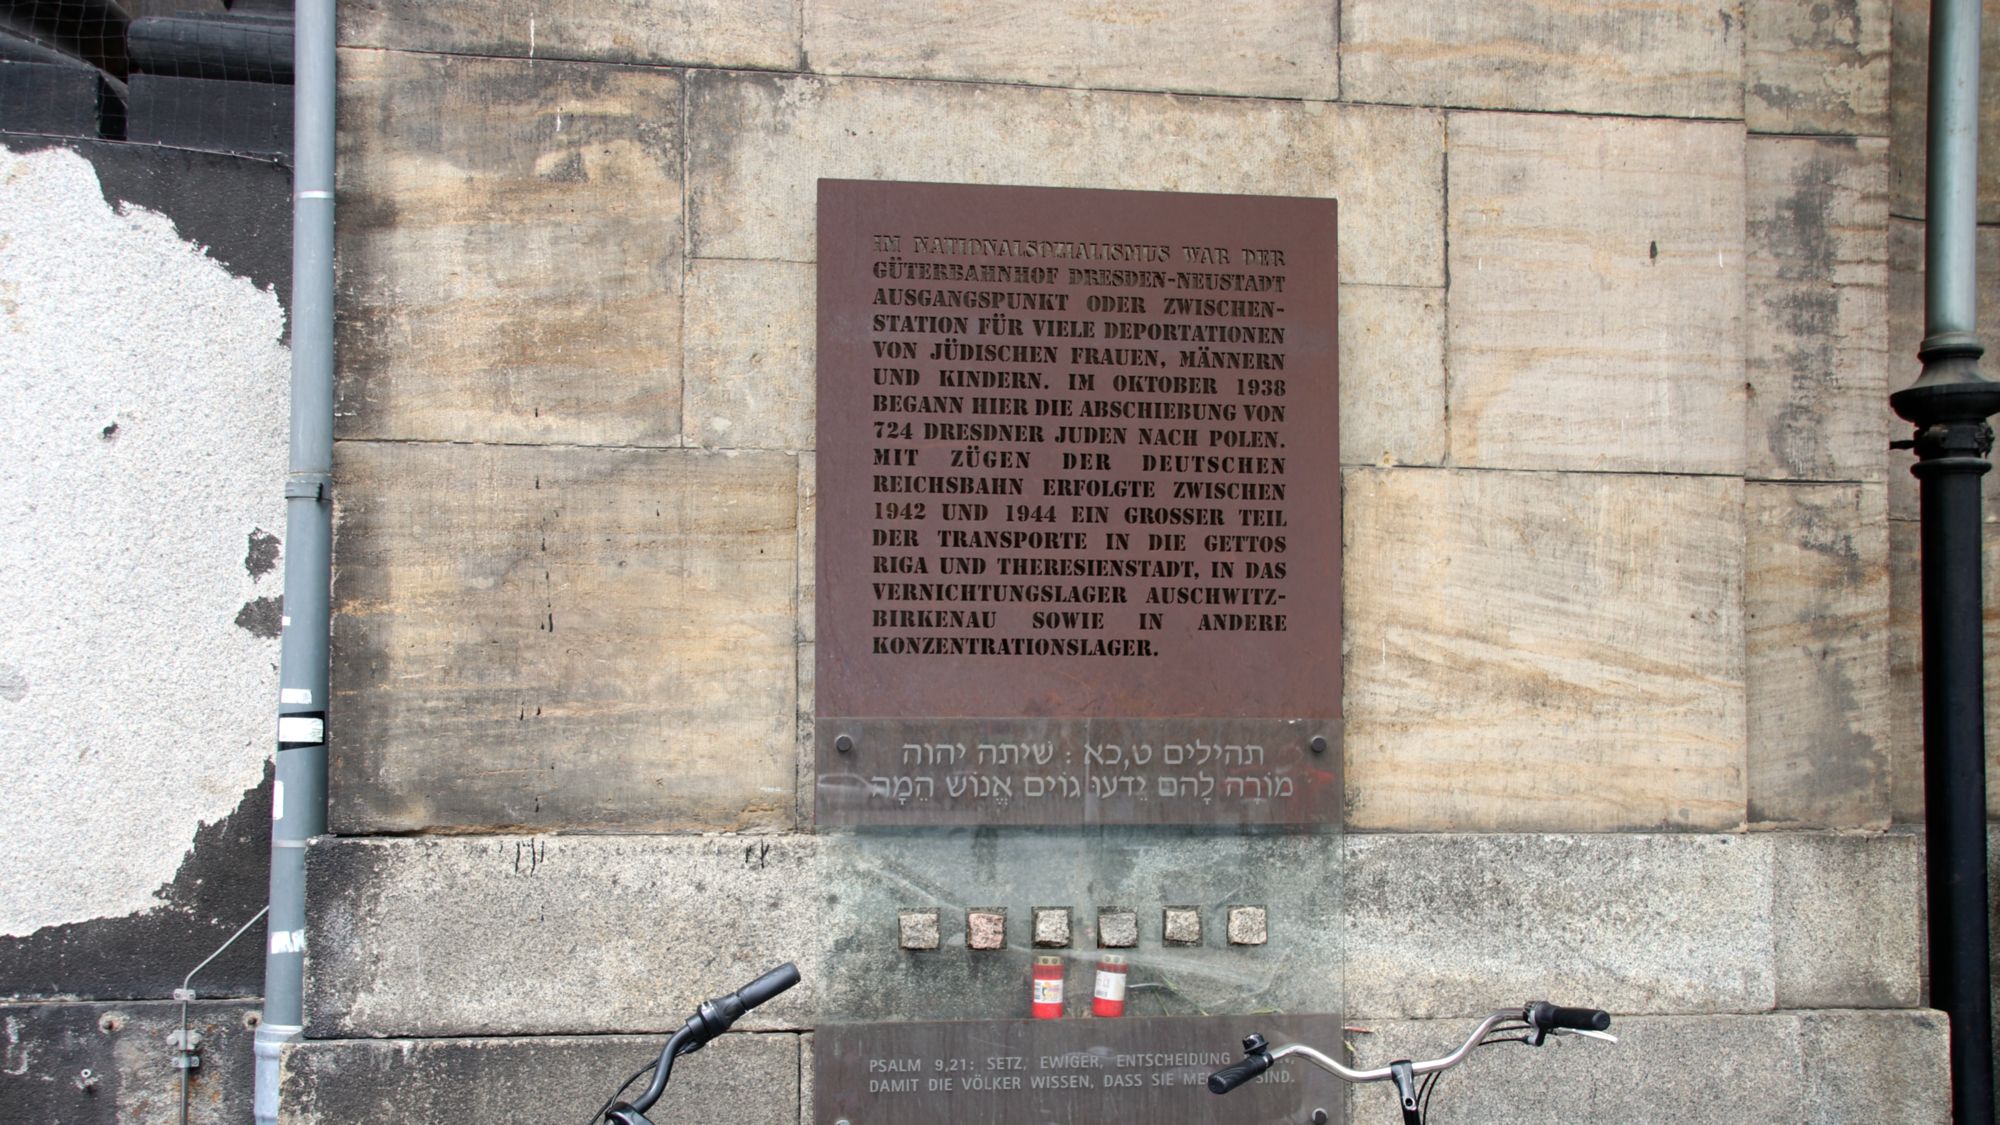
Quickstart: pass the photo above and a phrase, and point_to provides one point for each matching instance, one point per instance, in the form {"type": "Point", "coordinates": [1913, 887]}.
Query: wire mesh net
{"type": "Point", "coordinates": [200, 74]}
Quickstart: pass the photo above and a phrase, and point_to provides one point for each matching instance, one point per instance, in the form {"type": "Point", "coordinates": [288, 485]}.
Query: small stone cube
{"type": "Point", "coordinates": [1181, 925]}
{"type": "Point", "coordinates": [1117, 928]}
{"type": "Point", "coordinates": [986, 928]}
{"type": "Point", "coordinates": [918, 929]}
{"type": "Point", "coordinates": [1247, 925]}
{"type": "Point", "coordinates": [1052, 926]}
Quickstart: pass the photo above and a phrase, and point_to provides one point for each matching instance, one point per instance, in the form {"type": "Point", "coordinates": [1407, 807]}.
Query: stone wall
{"type": "Point", "coordinates": [1628, 618]}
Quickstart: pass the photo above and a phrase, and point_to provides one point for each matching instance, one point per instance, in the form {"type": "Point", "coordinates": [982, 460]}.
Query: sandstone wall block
{"type": "Point", "coordinates": [509, 244]}
{"type": "Point", "coordinates": [759, 144]}
{"type": "Point", "coordinates": [1674, 58]}
{"type": "Point", "coordinates": [1543, 651]}
{"type": "Point", "coordinates": [1596, 306]}
{"type": "Point", "coordinates": [562, 638]}
{"type": "Point", "coordinates": [1247, 48]}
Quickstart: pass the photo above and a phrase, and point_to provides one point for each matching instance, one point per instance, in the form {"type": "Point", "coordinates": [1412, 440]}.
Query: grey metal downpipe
{"type": "Point", "coordinates": [299, 803]}
{"type": "Point", "coordinates": [1949, 404]}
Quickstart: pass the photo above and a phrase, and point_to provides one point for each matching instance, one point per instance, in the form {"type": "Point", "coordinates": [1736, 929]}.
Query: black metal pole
{"type": "Point", "coordinates": [1949, 404]}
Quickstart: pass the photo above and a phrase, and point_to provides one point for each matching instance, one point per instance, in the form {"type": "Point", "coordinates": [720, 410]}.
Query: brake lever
{"type": "Point", "coordinates": [1605, 1036]}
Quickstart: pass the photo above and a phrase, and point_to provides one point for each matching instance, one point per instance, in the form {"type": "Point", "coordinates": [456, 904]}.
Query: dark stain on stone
{"type": "Point", "coordinates": [568, 170]}
{"type": "Point", "coordinates": [109, 433]}
{"type": "Point", "coordinates": [264, 617]}
{"type": "Point", "coordinates": [262, 558]}
{"type": "Point", "coordinates": [220, 885]}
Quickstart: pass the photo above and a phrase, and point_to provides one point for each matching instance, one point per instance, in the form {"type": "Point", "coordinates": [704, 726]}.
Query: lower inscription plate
{"type": "Point", "coordinates": [1024, 1072]}
{"type": "Point", "coordinates": [1040, 771]}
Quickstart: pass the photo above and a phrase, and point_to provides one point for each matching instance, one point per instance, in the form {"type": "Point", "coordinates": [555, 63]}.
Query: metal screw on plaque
{"type": "Point", "coordinates": [1319, 1117]}
{"type": "Point", "coordinates": [1319, 744]}
{"type": "Point", "coordinates": [843, 744]}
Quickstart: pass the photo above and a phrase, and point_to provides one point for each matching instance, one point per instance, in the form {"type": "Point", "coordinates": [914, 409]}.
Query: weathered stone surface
{"type": "Point", "coordinates": [751, 33]}
{"type": "Point", "coordinates": [568, 638]}
{"type": "Point", "coordinates": [808, 551]}
{"type": "Point", "coordinates": [1876, 1066]}
{"type": "Point", "coordinates": [1181, 925]}
{"type": "Point", "coordinates": [749, 362]}
{"type": "Point", "coordinates": [1456, 925]}
{"type": "Point", "coordinates": [1117, 929]}
{"type": "Point", "coordinates": [1541, 651]}
{"type": "Point", "coordinates": [805, 776]}
{"type": "Point", "coordinates": [758, 145]}
{"type": "Point", "coordinates": [548, 935]}
{"type": "Point", "coordinates": [423, 936]}
{"type": "Point", "coordinates": [1683, 1070]}
{"type": "Point", "coordinates": [1816, 595]}
{"type": "Point", "coordinates": [736, 1080]}
{"type": "Point", "coordinates": [1816, 330]}
{"type": "Point", "coordinates": [1816, 67]}
{"type": "Point", "coordinates": [510, 251]}
{"type": "Point", "coordinates": [1392, 378]}
{"type": "Point", "coordinates": [1909, 75]}
{"type": "Point", "coordinates": [1248, 925]}
{"type": "Point", "coordinates": [1052, 926]}
{"type": "Point", "coordinates": [918, 929]}
{"type": "Point", "coordinates": [93, 1062]}
{"type": "Point", "coordinates": [986, 929]}
{"type": "Point", "coordinates": [1846, 920]}
{"type": "Point", "coordinates": [1253, 48]}
{"type": "Point", "coordinates": [1596, 309]}
{"type": "Point", "coordinates": [1675, 58]}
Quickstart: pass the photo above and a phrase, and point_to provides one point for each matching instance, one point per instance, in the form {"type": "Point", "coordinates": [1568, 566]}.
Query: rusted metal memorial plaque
{"type": "Point", "coordinates": [993, 1072]}
{"type": "Point", "coordinates": [1079, 507]}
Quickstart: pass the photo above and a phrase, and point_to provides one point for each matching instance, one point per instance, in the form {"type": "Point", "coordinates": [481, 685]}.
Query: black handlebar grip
{"type": "Point", "coordinates": [768, 985]}
{"type": "Point", "coordinates": [1230, 1077]}
{"type": "Point", "coordinates": [1545, 1015]}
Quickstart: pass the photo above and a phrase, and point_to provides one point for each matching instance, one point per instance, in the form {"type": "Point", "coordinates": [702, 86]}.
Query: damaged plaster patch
{"type": "Point", "coordinates": [121, 560]}
{"type": "Point", "coordinates": [262, 558]}
{"type": "Point", "coordinates": [263, 617]}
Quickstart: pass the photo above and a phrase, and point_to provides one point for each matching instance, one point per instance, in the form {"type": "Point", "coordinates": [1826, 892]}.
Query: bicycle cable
{"type": "Point", "coordinates": [616, 1094]}
{"type": "Point", "coordinates": [1429, 1087]}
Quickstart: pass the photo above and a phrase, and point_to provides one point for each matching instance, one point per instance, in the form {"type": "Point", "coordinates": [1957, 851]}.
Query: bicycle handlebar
{"type": "Point", "coordinates": [711, 1019]}
{"type": "Point", "coordinates": [1256, 1060]}
{"type": "Point", "coordinates": [1548, 1017]}
{"type": "Point", "coordinates": [1539, 1016]}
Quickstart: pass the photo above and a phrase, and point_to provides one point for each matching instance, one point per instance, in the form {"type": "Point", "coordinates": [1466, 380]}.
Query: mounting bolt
{"type": "Point", "coordinates": [1319, 744]}
{"type": "Point", "coordinates": [843, 744]}
{"type": "Point", "coordinates": [187, 1049]}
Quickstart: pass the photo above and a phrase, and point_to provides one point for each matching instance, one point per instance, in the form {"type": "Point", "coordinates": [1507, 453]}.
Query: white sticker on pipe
{"type": "Point", "coordinates": [288, 941]}
{"type": "Point", "coordinates": [296, 728]}
{"type": "Point", "coordinates": [278, 800]}
{"type": "Point", "coordinates": [298, 696]}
